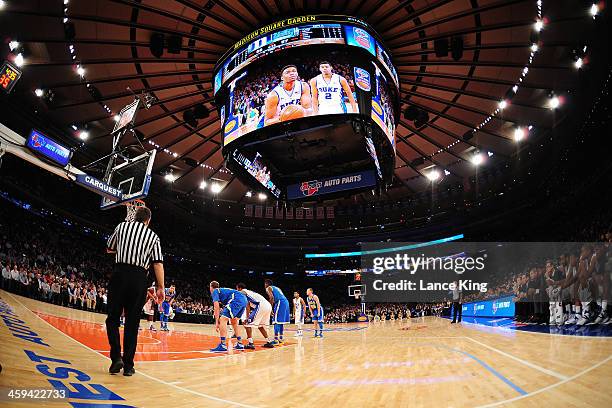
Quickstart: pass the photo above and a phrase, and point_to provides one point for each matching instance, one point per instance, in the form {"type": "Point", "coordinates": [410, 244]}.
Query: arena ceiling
{"type": "Point", "coordinates": [505, 58]}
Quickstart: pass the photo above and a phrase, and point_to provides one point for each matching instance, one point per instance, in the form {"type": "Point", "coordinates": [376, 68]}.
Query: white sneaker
{"type": "Point", "coordinates": [572, 319]}
{"type": "Point", "coordinates": [600, 318]}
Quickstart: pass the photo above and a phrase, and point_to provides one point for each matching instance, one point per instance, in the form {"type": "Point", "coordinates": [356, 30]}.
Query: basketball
{"type": "Point", "coordinates": [292, 112]}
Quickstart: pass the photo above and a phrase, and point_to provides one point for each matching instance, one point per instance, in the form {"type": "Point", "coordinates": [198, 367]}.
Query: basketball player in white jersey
{"type": "Point", "coordinates": [291, 91]}
{"type": "Point", "coordinates": [327, 90]}
{"type": "Point", "coordinates": [149, 307]}
{"type": "Point", "coordinates": [299, 309]}
{"type": "Point", "coordinates": [258, 312]}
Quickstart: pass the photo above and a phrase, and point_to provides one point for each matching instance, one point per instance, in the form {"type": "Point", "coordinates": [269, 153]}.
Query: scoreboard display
{"type": "Point", "coordinates": [9, 75]}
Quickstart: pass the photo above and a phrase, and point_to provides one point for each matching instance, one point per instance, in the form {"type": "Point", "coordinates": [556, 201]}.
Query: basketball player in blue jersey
{"type": "Point", "coordinates": [165, 308]}
{"type": "Point", "coordinates": [291, 91]}
{"type": "Point", "coordinates": [327, 89]}
{"type": "Point", "coordinates": [234, 305]}
{"type": "Point", "coordinates": [280, 310]}
{"type": "Point", "coordinates": [316, 311]}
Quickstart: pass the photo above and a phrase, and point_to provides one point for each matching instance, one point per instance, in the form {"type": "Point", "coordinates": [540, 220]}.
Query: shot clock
{"type": "Point", "coordinates": [9, 75]}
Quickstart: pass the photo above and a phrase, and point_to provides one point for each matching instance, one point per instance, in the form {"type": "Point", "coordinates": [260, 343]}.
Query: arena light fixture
{"type": "Point", "coordinates": [502, 104]}
{"type": "Point", "coordinates": [433, 175]}
{"type": "Point", "coordinates": [116, 118]}
{"type": "Point", "coordinates": [539, 25]}
{"type": "Point", "coordinates": [594, 10]}
{"type": "Point", "coordinates": [216, 188]}
{"type": "Point", "coordinates": [554, 102]}
{"type": "Point", "coordinates": [2, 4]}
{"type": "Point", "coordinates": [262, 196]}
{"type": "Point", "coordinates": [169, 177]}
{"type": "Point", "coordinates": [446, 172]}
{"type": "Point", "coordinates": [578, 64]}
{"type": "Point", "coordinates": [249, 194]}
{"type": "Point", "coordinates": [13, 45]}
{"type": "Point", "coordinates": [19, 60]}
{"type": "Point", "coordinates": [519, 134]}
{"type": "Point", "coordinates": [39, 92]}
{"type": "Point", "coordinates": [81, 71]}
{"type": "Point", "coordinates": [477, 159]}
{"type": "Point", "coordinates": [534, 47]}
{"type": "Point", "coordinates": [83, 135]}
{"type": "Point", "coordinates": [203, 184]}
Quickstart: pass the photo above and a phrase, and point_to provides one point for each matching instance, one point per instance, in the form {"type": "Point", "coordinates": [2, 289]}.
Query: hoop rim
{"type": "Point", "coordinates": [134, 203]}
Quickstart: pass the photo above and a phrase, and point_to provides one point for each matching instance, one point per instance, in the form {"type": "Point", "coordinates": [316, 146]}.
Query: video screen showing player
{"type": "Point", "coordinates": [329, 90]}
{"type": "Point", "coordinates": [269, 93]}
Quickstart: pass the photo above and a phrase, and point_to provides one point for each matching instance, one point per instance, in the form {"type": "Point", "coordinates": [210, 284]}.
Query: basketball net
{"type": "Point", "coordinates": [131, 207]}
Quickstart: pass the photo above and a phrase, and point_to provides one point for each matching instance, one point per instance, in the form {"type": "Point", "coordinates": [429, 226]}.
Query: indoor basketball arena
{"type": "Point", "coordinates": [285, 203]}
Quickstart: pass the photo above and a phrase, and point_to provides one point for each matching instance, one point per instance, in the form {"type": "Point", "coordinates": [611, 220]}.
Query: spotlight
{"type": "Point", "coordinates": [249, 194]}
{"type": "Point", "coordinates": [216, 188]}
{"type": "Point", "coordinates": [19, 61]}
{"type": "Point", "coordinates": [65, 1]}
{"type": "Point", "coordinates": [534, 47]}
{"type": "Point", "coordinates": [578, 64]}
{"type": "Point", "coordinates": [80, 71]}
{"type": "Point", "coordinates": [441, 47]}
{"type": "Point", "coordinates": [2, 4]}
{"type": "Point", "coordinates": [262, 196]}
{"type": "Point", "coordinates": [411, 112]}
{"type": "Point", "coordinates": [174, 44]}
{"type": "Point", "coordinates": [116, 118]}
{"type": "Point", "coordinates": [447, 173]}
{"type": "Point", "coordinates": [519, 134]}
{"type": "Point", "coordinates": [190, 119]}
{"type": "Point", "coordinates": [157, 44]}
{"type": "Point", "coordinates": [203, 184]}
{"type": "Point", "coordinates": [477, 159]}
{"type": "Point", "coordinates": [502, 104]}
{"type": "Point", "coordinates": [83, 135]}
{"type": "Point", "coordinates": [554, 102]}
{"type": "Point", "coordinates": [433, 175]}
{"type": "Point", "coordinates": [539, 25]}
{"type": "Point", "coordinates": [170, 177]}
{"type": "Point", "coordinates": [201, 112]}
{"type": "Point", "coordinates": [457, 48]}
{"type": "Point", "coordinates": [39, 92]}
{"type": "Point", "coordinates": [594, 10]}
{"type": "Point", "coordinates": [422, 119]}
{"type": "Point", "coordinates": [13, 45]}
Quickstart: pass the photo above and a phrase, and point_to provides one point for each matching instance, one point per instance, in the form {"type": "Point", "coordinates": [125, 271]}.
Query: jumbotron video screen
{"type": "Point", "coordinates": [304, 71]}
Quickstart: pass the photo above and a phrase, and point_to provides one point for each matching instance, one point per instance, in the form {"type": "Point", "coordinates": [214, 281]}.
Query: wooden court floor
{"type": "Point", "coordinates": [417, 363]}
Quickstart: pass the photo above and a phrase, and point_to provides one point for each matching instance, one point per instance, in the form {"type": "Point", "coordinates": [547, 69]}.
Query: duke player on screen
{"type": "Point", "coordinates": [327, 89]}
{"type": "Point", "coordinates": [291, 91]}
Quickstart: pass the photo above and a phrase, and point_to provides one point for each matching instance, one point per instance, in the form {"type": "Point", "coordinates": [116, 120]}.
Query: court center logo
{"type": "Point", "coordinates": [310, 188]}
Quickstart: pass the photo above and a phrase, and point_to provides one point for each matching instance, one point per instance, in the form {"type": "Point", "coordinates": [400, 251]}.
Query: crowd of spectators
{"type": "Point", "coordinates": [41, 259]}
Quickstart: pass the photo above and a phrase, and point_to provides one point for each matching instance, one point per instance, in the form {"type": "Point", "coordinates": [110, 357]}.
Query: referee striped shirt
{"type": "Point", "coordinates": [135, 244]}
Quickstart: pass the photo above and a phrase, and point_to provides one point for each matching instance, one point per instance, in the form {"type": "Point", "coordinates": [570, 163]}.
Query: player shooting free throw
{"type": "Point", "coordinates": [288, 100]}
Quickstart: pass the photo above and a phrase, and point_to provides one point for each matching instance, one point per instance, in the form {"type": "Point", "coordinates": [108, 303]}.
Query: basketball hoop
{"type": "Point", "coordinates": [131, 207]}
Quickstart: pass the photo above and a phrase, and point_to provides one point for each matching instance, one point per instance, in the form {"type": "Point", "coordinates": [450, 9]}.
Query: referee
{"type": "Point", "coordinates": [135, 247]}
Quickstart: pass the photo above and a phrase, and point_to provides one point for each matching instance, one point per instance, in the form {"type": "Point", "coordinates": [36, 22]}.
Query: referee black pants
{"type": "Point", "coordinates": [127, 291]}
{"type": "Point", "coordinates": [457, 310]}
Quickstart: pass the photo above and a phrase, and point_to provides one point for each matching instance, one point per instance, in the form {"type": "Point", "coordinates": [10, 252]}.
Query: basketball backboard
{"type": "Point", "coordinates": [132, 177]}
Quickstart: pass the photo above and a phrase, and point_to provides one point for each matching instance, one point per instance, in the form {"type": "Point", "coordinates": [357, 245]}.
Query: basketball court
{"type": "Point", "coordinates": [422, 361]}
